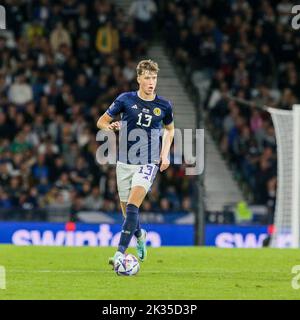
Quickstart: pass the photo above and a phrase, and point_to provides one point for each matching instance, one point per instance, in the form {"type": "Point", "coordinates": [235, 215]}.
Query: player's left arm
{"type": "Point", "coordinates": [167, 140]}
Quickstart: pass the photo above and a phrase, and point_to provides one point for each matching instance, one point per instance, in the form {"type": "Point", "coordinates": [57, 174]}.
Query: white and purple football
{"type": "Point", "coordinates": [127, 265]}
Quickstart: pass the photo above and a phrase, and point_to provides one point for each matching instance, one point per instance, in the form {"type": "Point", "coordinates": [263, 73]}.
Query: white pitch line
{"type": "Point", "coordinates": [143, 271]}
{"type": "Point", "coordinates": [94, 271]}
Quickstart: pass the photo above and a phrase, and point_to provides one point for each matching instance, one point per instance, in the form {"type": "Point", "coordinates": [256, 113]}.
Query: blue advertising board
{"type": "Point", "coordinates": [231, 236]}
{"type": "Point", "coordinates": [85, 234]}
{"type": "Point", "coordinates": [80, 234]}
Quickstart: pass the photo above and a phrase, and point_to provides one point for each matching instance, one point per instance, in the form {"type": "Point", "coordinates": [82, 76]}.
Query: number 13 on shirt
{"type": "Point", "coordinates": [148, 118]}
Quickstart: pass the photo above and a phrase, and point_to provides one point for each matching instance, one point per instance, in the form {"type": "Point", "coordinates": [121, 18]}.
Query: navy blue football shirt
{"type": "Point", "coordinates": [141, 126]}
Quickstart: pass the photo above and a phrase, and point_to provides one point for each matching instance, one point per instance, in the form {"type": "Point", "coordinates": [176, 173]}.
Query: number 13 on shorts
{"type": "Point", "coordinates": [145, 175]}
{"type": "Point", "coordinates": [147, 170]}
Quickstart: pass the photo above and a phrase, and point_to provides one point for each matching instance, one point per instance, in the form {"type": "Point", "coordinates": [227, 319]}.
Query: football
{"type": "Point", "coordinates": [127, 265]}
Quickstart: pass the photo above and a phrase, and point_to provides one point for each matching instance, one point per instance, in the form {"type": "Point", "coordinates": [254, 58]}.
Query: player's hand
{"type": "Point", "coordinates": [115, 126]}
{"type": "Point", "coordinates": [165, 162]}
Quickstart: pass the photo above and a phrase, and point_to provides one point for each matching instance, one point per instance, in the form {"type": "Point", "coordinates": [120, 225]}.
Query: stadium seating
{"type": "Point", "coordinates": [61, 66]}
{"type": "Point", "coordinates": [247, 49]}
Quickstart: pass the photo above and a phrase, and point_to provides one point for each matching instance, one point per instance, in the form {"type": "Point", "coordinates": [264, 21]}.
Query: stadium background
{"type": "Point", "coordinates": [63, 62]}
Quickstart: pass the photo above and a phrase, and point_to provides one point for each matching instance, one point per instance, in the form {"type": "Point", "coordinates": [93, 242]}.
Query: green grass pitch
{"type": "Point", "coordinates": [169, 273]}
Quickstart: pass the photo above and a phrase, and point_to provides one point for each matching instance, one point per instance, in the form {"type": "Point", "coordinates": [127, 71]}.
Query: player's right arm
{"type": "Point", "coordinates": [104, 122]}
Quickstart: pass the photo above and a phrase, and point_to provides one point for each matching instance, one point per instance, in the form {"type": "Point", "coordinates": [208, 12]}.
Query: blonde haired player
{"type": "Point", "coordinates": [148, 112]}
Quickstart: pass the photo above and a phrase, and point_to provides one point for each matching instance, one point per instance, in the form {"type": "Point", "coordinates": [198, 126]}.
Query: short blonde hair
{"type": "Point", "coordinates": [146, 65]}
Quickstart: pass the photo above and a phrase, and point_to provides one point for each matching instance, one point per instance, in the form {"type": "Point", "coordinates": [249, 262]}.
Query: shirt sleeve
{"type": "Point", "coordinates": [116, 107]}
{"type": "Point", "coordinates": [168, 118]}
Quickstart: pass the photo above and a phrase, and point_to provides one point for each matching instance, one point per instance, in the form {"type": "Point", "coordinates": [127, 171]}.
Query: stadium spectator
{"type": "Point", "coordinates": [94, 201]}
{"type": "Point", "coordinates": [59, 36]}
{"type": "Point", "coordinates": [107, 40]}
{"type": "Point", "coordinates": [5, 201]}
{"type": "Point", "coordinates": [143, 12]}
{"type": "Point", "coordinates": [186, 204]}
{"type": "Point", "coordinates": [20, 92]}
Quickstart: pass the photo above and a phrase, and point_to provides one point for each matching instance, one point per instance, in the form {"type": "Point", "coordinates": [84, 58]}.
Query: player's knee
{"type": "Point", "coordinates": [137, 195]}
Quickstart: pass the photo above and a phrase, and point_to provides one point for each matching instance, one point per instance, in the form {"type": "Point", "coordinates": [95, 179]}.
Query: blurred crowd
{"type": "Point", "coordinates": [62, 63]}
{"type": "Point", "coordinates": [247, 49]}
